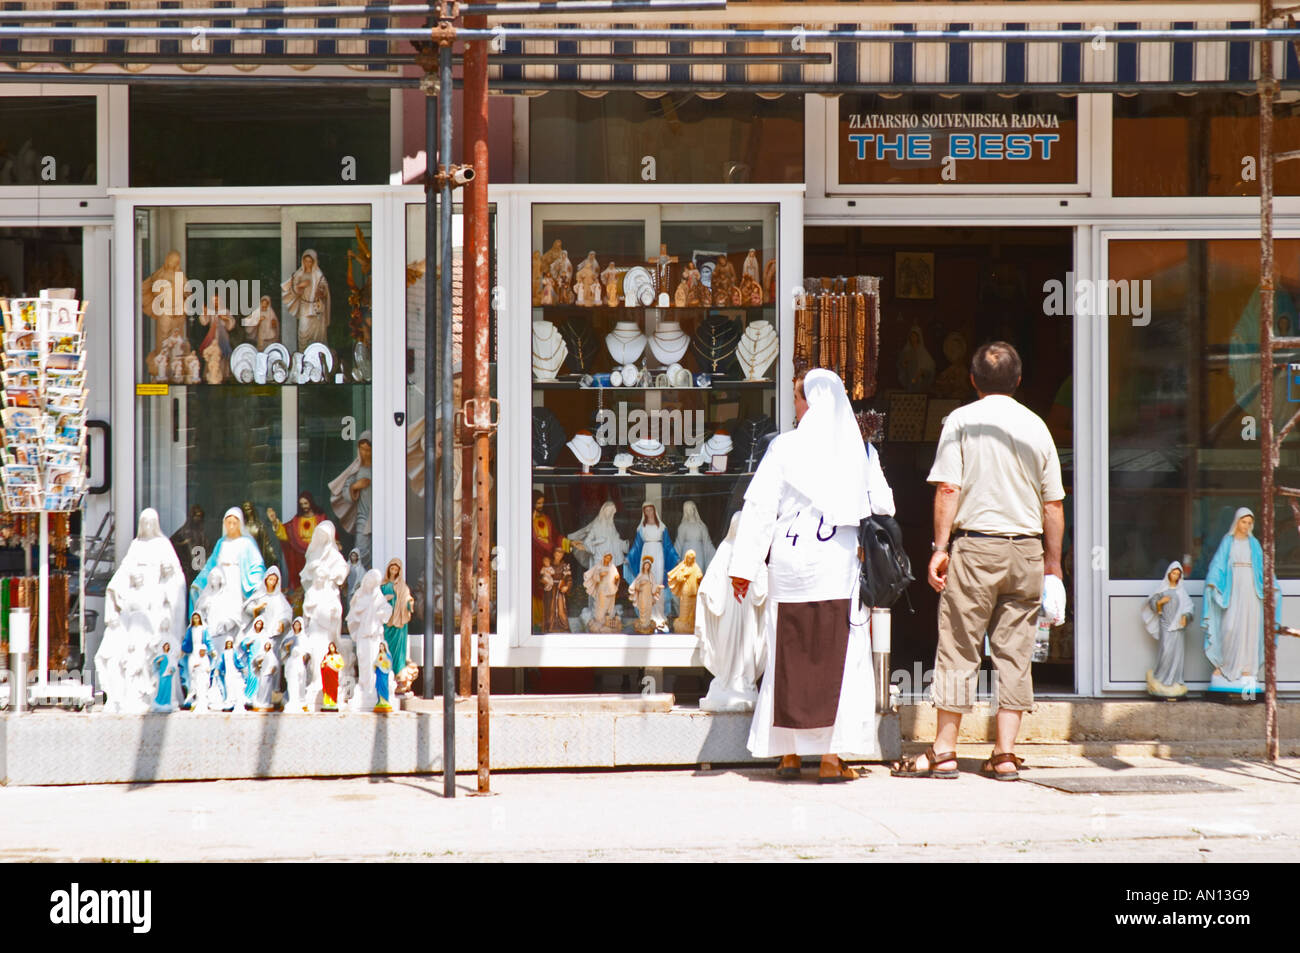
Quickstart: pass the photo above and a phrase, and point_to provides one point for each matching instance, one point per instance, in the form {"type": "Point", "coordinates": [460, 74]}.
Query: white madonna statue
{"type": "Point", "coordinates": [369, 611]}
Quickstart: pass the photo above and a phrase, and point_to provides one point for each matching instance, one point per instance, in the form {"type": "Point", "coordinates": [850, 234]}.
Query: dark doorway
{"type": "Point", "coordinates": [36, 258]}
{"type": "Point", "coordinates": [974, 285]}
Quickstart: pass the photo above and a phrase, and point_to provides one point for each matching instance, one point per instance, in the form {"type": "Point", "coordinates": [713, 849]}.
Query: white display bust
{"type": "Point", "coordinates": [549, 351]}
{"type": "Point", "coordinates": [756, 349]}
{"type": "Point", "coordinates": [669, 342]}
{"type": "Point", "coordinates": [625, 342]}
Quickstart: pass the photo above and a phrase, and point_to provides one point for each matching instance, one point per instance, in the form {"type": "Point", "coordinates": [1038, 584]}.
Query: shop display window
{"type": "Point", "coordinates": [655, 340]}
{"type": "Point", "coordinates": [48, 140]}
{"type": "Point", "coordinates": [951, 141]}
{"type": "Point", "coordinates": [1184, 401]}
{"type": "Point", "coordinates": [674, 138]}
{"type": "Point", "coordinates": [416, 329]}
{"type": "Point", "coordinates": [1202, 144]}
{"type": "Point", "coordinates": [188, 136]}
{"type": "Point", "coordinates": [253, 374]}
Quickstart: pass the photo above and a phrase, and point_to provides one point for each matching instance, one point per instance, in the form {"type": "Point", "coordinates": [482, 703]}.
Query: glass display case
{"type": "Point", "coordinates": [655, 356]}
{"type": "Point", "coordinates": [253, 373]}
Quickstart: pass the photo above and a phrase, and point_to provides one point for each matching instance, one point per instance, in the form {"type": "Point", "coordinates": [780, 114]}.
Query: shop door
{"type": "Point", "coordinates": [944, 292]}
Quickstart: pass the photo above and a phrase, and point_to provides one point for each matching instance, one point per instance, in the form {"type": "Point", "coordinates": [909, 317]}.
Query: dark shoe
{"type": "Point", "coordinates": [907, 768]}
{"type": "Point", "coordinates": [989, 767]}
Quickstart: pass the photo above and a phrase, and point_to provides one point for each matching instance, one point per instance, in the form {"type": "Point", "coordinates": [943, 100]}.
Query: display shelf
{"type": "Point", "coordinates": [257, 389]}
{"type": "Point", "coordinates": [562, 475]}
{"type": "Point", "coordinates": [568, 309]}
{"type": "Point", "coordinates": [719, 385]}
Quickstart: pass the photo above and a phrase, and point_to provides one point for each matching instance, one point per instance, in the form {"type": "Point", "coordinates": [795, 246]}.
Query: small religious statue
{"type": "Point", "coordinates": [598, 538]}
{"type": "Point", "coordinates": [165, 698]}
{"type": "Point", "coordinates": [255, 528]}
{"type": "Point", "coordinates": [231, 676]}
{"type": "Point", "coordinates": [684, 581]}
{"type": "Point", "coordinates": [692, 533]}
{"type": "Point", "coordinates": [751, 292]}
{"type": "Point", "coordinates": [162, 300]}
{"type": "Point", "coordinates": [383, 681]}
{"type": "Point", "coordinates": [323, 573]}
{"type": "Point", "coordinates": [551, 256]}
{"type": "Point", "coordinates": [269, 605]}
{"type": "Point", "coordinates": [246, 651]}
{"type": "Point", "coordinates": [267, 667]}
{"type": "Point", "coordinates": [613, 285]}
{"type": "Point", "coordinates": [330, 667]}
{"type": "Point", "coordinates": [915, 365]}
{"type": "Point", "coordinates": [1166, 614]}
{"type": "Point", "coordinates": [652, 539]}
{"type": "Point", "coordinates": [1233, 613]}
{"type": "Point", "coordinates": [723, 283]}
{"type": "Point", "coordinates": [545, 541]}
{"type": "Point", "coordinates": [398, 595]}
{"type": "Point", "coordinates": [586, 289]}
{"type": "Point", "coordinates": [297, 659]}
{"type": "Point", "coordinates": [200, 680]}
{"type": "Point", "coordinates": [216, 343]}
{"type": "Point", "coordinates": [295, 535]}
{"type": "Point", "coordinates": [548, 291]}
{"type": "Point", "coordinates": [769, 281]}
{"type": "Point", "coordinates": [750, 268]}
{"type": "Point", "coordinates": [663, 269]}
{"type": "Point", "coordinates": [601, 583]}
{"type": "Point", "coordinates": [588, 266]}
{"type": "Point", "coordinates": [645, 592]}
{"type": "Point", "coordinates": [306, 295]}
{"type": "Point", "coordinates": [191, 369]}
{"type": "Point", "coordinates": [537, 278]}
{"type": "Point", "coordinates": [168, 362]}
{"type": "Point", "coordinates": [367, 614]}
{"type": "Point", "coordinates": [356, 572]}
{"type": "Point", "coordinates": [262, 327]}
{"type": "Point", "coordinates": [561, 272]}
{"type": "Point", "coordinates": [238, 564]}
{"type": "Point", "coordinates": [730, 633]}
{"type": "Point", "coordinates": [351, 494]}
{"type": "Point", "coordinates": [557, 581]}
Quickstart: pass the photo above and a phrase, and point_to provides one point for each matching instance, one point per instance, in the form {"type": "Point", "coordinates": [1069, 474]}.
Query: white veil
{"type": "Point", "coordinates": [827, 460]}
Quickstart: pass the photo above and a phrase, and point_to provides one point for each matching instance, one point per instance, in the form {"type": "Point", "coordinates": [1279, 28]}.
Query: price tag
{"type": "Point", "coordinates": [151, 390]}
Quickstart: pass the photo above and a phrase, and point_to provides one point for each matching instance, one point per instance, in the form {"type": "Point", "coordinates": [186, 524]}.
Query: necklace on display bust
{"type": "Point", "coordinates": [669, 342]}
{"type": "Point", "coordinates": [582, 344]}
{"type": "Point", "coordinates": [586, 449]}
{"type": "Point", "coordinates": [625, 342]}
{"type": "Point", "coordinates": [757, 349]}
{"type": "Point", "coordinates": [549, 350]}
{"type": "Point", "coordinates": [715, 344]}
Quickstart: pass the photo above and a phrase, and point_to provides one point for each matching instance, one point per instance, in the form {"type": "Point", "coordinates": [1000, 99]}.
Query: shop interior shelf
{"type": "Point", "coordinates": [723, 385]}
{"type": "Point", "coordinates": [256, 389]}
{"type": "Point", "coordinates": [567, 475]}
{"type": "Point", "coordinates": [567, 309]}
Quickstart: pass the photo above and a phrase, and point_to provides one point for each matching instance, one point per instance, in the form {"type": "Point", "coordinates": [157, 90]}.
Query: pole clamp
{"type": "Point", "coordinates": [479, 418]}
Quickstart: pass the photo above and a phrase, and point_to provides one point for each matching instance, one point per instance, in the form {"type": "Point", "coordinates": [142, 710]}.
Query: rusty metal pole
{"type": "Point", "coordinates": [1267, 94]}
{"type": "Point", "coordinates": [468, 363]}
{"type": "Point", "coordinates": [477, 244]}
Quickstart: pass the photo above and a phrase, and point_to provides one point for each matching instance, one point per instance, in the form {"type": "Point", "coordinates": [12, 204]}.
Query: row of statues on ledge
{"type": "Point", "coordinates": [711, 282]}
{"type": "Point", "coordinates": [1232, 615]}
{"type": "Point", "coordinates": [232, 641]}
{"type": "Point", "coordinates": [167, 298]}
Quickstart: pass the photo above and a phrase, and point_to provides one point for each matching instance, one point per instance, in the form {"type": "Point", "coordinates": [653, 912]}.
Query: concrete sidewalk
{"type": "Point", "coordinates": [709, 815]}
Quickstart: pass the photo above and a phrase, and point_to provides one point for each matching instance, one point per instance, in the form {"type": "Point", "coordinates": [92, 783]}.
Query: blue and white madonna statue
{"type": "Point", "coordinates": [237, 561]}
{"type": "Point", "coordinates": [1233, 615]}
{"type": "Point", "coordinates": [652, 539]}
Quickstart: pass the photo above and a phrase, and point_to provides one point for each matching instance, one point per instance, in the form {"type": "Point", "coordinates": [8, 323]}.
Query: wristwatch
{"type": "Point", "coordinates": [934, 548]}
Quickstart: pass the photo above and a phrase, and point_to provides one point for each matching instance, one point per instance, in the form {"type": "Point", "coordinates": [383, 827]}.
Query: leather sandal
{"type": "Point", "coordinates": [789, 773]}
{"type": "Point", "coordinates": [845, 773]}
{"type": "Point", "coordinates": [989, 767]}
{"type": "Point", "coordinates": [907, 768]}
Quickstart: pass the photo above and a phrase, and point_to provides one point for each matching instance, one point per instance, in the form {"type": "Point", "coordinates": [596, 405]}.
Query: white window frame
{"type": "Point", "coordinates": [35, 199]}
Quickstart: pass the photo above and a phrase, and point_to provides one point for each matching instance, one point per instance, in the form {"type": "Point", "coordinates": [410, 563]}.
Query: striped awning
{"type": "Point", "coordinates": [1103, 61]}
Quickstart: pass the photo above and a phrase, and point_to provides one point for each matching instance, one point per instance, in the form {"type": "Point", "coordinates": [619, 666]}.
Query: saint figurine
{"type": "Point", "coordinates": [601, 583]}
{"type": "Point", "coordinates": [165, 666]}
{"type": "Point", "coordinates": [306, 295]}
{"type": "Point", "coordinates": [383, 680]}
{"type": "Point", "coordinates": [599, 538]}
{"type": "Point", "coordinates": [684, 580]}
{"type": "Point", "coordinates": [730, 633]}
{"type": "Point", "coordinates": [398, 595]}
{"type": "Point", "coordinates": [239, 565]}
{"type": "Point", "coordinates": [356, 572]}
{"type": "Point", "coordinates": [269, 604]}
{"type": "Point", "coordinates": [613, 285]}
{"type": "Point", "coordinates": [323, 573]}
{"type": "Point", "coordinates": [645, 592]}
{"type": "Point", "coordinates": [1233, 613]}
{"type": "Point", "coordinates": [350, 497]}
{"type": "Point", "coordinates": [263, 326]}
{"type": "Point", "coordinates": [692, 533]}
{"type": "Point", "coordinates": [723, 282]}
{"type": "Point", "coordinates": [219, 323]}
{"type": "Point", "coordinates": [162, 300]}
{"type": "Point", "coordinates": [295, 536]}
{"type": "Point", "coordinates": [1166, 614]}
{"type": "Point", "coordinates": [297, 662]}
{"type": "Point", "coordinates": [545, 541]}
{"type": "Point", "coordinates": [330, 667]}
{"type": "Point", "coordinates": [200, 680]}
{"type": "Point", "coordinates": [652, 539]}
{"type": "Point", "coordinates": [537, 278]}
{"type": "Point", "coordinates": [255, 528]}
{"type": "Point", "coordinates": [267, 667]}
{"type": "Point", "coordinates": [557, 581]}
{"type": "Point", "coordinates": [232, 678]}
{"type": "Point", "coordinates": [915, 365]}
{"type": "Point", "coordinates": [367, 614]}
{"type": "Point", "coordinates": [750, 268]}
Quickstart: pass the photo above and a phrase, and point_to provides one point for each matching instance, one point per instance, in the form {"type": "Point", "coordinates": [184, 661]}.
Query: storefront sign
{"type": "Point", "coordinates": [887, 142]}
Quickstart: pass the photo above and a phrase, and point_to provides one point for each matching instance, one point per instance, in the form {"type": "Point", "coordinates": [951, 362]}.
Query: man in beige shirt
{"type": "Point", "coordinates": [999, 518]}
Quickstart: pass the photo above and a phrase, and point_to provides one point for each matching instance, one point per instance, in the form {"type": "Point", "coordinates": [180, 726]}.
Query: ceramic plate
{"type": "Point", "coordinates": [243, 362]}
{"type": "Point", "coordinates": [318, 362]}
{"type": "Point", "coordinates": [639, 286]}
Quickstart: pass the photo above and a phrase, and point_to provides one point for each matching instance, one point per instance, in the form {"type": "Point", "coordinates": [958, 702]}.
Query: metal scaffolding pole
{"type": "Point", "coordinates": [1267, 96]}
{"type": "Point", "coordinates": [275, 12]}
{"type": "Point", "coordinates": [448, 420]}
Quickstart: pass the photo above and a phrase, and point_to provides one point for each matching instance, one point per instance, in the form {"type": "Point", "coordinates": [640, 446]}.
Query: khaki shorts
{"type": "Point", "coordinates": [994, 586]}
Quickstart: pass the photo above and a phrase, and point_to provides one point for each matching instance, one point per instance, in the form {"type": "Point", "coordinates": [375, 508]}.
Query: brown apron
{"type": "Point", "coordinates": [812, 642]}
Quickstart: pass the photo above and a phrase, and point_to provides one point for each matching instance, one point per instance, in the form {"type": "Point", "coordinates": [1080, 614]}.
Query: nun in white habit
{"type": "Point", "coordinates": [813, 486]}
